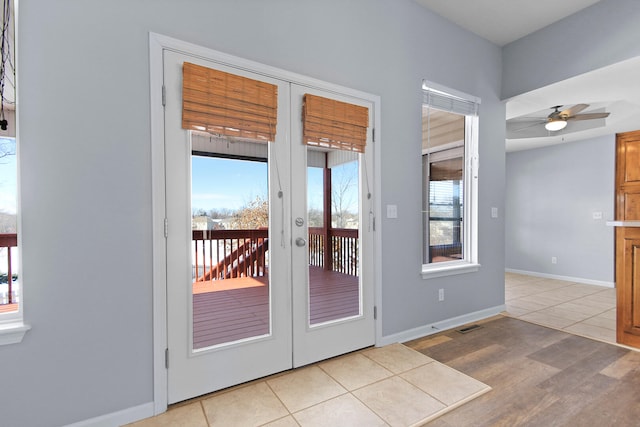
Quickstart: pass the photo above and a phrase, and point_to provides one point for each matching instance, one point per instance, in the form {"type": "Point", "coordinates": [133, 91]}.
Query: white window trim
{"type": "Point", "coordinates": [12, 332]}
{"type": "Point", "coordinates": [448, 269]}
{"type": "Point", "coordinates": [12, 326]}
{"type": "Point", "coordinates": [470, 263]}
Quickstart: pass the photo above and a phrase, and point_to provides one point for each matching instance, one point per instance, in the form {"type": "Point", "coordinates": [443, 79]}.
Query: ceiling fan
{"type": "Point", "coordinates": [529, 127]}
{"type": "Point", "coordinates": [557, 120]}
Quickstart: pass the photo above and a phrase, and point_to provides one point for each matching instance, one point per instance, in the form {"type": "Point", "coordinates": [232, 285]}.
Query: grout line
{"type": "Point", "coordinates": [278, 397]}
{"type": "Point", "coordinates": [575, 300]}
{"type": "Point", "coordinates": [204, 413]}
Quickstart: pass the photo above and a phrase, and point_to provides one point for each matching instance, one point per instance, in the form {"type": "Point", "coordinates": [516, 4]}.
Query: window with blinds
{"type": "Point", "coordinates": [447, 148]}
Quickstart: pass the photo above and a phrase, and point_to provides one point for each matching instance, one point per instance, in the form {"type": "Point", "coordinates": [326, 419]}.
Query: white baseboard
{"type": "Point", "coordinates": [443, 325]}
{"type": "Point", "coordinates": [119, 418]}
{"type": "Point", "coordinates": [565, 278]}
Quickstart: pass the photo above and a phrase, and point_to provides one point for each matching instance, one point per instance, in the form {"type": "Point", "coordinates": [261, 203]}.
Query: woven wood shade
{"type": "Point", "coordinates": [221, 103]}
{"type": "Point", "coordinates": [334, 124]}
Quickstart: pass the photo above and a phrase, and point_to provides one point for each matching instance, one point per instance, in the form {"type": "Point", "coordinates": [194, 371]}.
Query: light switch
{"type": "Point", "coordinates": [494, 212]}
{"type": "Point", "coordinates": [392, 211]}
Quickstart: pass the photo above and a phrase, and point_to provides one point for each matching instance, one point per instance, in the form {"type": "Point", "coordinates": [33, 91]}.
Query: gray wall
{"type": "Point", "coordinates": [551, 195]}
{"type": "Point", "coordinates": [600, 35]}
{"type": "Point", "coordinates": [86, 173]}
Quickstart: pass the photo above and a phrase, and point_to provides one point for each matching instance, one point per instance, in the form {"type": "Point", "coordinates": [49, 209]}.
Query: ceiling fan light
{"type": "Point", "coordinates": [555, 125]}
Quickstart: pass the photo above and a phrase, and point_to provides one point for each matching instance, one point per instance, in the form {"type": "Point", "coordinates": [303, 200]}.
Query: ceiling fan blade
{"type": "Point", "coordinates": [573, 110]}
{"type": "Point", "coordinates": [589, 116]}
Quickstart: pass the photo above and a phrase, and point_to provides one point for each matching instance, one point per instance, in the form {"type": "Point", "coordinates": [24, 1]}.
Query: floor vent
{"type": "Point", "coordinates": [469, 329]}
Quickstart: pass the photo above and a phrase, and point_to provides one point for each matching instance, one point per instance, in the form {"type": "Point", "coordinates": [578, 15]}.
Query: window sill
{"type": "Point", "coordinates": [450, 269]}
{"type": "Point", "coordinates": [12, 333]}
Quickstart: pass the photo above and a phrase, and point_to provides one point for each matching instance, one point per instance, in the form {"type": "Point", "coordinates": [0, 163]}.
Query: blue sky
{"type": "Point", "coordinates": [230, 184]}
{"type": "Point", "coordinates": [8, 180]}
{"type": "Point", "coordinates": [225, 183]}
{"type": "Point", "coordinates": [217, 183]}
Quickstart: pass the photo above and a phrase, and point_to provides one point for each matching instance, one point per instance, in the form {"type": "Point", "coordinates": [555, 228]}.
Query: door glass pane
{"type": "Point", "coordinates": [334, 220]}
{"type": "Point", "coordinates": [230, 240]}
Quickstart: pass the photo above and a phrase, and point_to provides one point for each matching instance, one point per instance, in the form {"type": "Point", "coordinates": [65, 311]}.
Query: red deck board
{"type": "Point", "coordinates": [7, 308]}
{"type": "Point", "coordinates": [233, 309]}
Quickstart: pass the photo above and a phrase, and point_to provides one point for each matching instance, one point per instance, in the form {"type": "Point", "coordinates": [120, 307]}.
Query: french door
{"type": "Point", "coordinates": [283, 277]}
{"type": "Point", "coordinates": [333, 304]}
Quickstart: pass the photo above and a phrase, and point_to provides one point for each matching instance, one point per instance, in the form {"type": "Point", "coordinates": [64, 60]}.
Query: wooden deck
{"type": "Point", "coordinates": [7, 308]}
{"type": "Point", "coordinates": [234, 309]}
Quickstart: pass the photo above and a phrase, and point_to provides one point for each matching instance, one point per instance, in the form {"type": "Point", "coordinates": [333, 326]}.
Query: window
{"type": "Point", "coordinates": [12, 328]}
{"type": "Point", "coordinates": [449, 181]}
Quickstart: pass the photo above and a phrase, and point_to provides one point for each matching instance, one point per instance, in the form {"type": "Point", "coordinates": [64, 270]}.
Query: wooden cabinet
{"type": "Point", "coordinates": [628, 238]}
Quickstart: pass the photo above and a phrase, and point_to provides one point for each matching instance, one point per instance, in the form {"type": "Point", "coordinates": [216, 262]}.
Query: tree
{"type": "Point", "coordinates": [344, 185]}
{"type": "Point", "coordinates": [255, 214]}
{"type": "Point", "coordinates": [220, 213]}
{"type": "Point", "coordinates": [315, 217]}
{"type": "Point", "coordinates": [198, 212]}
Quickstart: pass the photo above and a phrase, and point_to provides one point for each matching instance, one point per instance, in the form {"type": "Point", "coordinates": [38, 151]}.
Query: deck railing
{"type": "Point", "coordinates": [9, 240]}
{"type": "Point", "coordinates": [335, 249]}
{"type": "Point", "coordinates": [226, 254]}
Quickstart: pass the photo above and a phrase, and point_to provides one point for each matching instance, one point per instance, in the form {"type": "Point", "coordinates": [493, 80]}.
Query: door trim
{"type": "Point", "coordinates": [157, 44]}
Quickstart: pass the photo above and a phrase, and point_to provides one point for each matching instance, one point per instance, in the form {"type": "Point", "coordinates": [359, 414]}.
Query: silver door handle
{"type": "Point", "coordinates": [300, 242]}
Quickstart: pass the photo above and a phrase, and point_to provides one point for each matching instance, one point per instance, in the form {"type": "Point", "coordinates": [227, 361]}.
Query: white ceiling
{"type": "Point", "coordinates": [504, 21]}
{"type": "Point", "coordinates": [613, 89]}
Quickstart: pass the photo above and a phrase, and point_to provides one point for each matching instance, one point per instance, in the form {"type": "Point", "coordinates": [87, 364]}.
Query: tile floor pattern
{"type": "Point", "coordinates": [586, 310]}
{"type": "Point", "coordinates": [386, 386]}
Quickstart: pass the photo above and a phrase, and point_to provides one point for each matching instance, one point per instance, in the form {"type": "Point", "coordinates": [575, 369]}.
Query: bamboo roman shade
{"type": "Point", "coordinates": [334, 124]}
{"type": "Point", "coordinates": [222, 103]}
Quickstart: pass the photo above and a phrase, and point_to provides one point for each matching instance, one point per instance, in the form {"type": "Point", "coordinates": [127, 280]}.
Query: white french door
{"type": "Point", "coordinates": [194, 368]}
{"type": "Point", "coordinates": [228, 322]}
{"type": "Point", "coordinates": [332, 298]}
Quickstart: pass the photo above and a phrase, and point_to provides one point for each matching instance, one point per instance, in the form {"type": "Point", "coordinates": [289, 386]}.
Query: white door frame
{"type": "Point", "coordinates": [157, 44]}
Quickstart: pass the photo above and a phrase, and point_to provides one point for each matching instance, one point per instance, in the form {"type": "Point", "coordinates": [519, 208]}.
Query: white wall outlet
{"type": "Point", "coordinates": [554, 260]}
{"type": "Point", "coordinates": [440, 294]}
{"type": "Point", "coordinates": [597, 215]}
{"type": "Point", "coordinates": [494, 212]}
{"type": "Point", "coordinates": [392, 211]}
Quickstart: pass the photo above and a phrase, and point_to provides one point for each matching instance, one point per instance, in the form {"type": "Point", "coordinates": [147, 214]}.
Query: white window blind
{"type": "Point", "coordinates": [458, 103]}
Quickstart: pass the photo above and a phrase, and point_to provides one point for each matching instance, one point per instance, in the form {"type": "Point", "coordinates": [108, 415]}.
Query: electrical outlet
{"type": "Point", "coordinates": [440, 294]}
{"type": "Point", "coordinates": [392, 211]}
{"type": "Point", "coordinates": [554, 260]}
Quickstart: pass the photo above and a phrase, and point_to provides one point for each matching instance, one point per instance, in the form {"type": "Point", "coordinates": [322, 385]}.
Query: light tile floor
{"type": "Point", "coordinates": [386, 386]}
{"type": "Point", "coordinates": [586, 310]}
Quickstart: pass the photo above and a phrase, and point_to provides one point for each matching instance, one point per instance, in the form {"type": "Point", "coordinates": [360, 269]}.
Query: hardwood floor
{"type": "Point", "coordinates": [540, 376]}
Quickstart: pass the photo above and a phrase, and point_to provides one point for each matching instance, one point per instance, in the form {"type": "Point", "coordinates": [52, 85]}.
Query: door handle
{"type": "Point", "coordinates": [300, 242]}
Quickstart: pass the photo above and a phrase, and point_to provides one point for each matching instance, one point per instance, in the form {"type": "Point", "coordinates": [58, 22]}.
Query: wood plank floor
{"type": "Point", "coordinates": [234, 309]}
{"type": "Point", "coordinates": [539, 376]}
